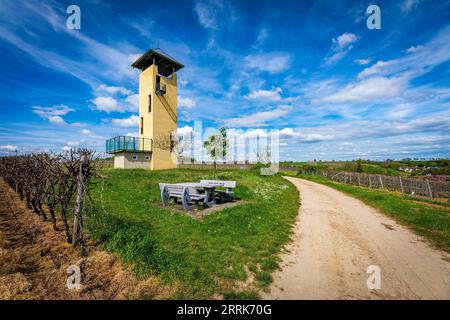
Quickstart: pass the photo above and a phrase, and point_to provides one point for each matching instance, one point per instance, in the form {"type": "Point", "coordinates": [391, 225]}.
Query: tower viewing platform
{"type": "Point", "coordinates": [128, 144]}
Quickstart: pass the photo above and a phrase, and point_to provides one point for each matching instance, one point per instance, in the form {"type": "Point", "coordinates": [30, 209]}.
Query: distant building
{"type": "Point", "coordinates": [409, 169]}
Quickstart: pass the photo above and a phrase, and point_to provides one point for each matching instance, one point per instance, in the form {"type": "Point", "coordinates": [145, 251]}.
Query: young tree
{"type": "Point", "coordinates": [264, 156]}
{"type": "Point", "coordinates": [163, 142]}
{"type": "Point", "coordinates": [217, 147]}
{"type": "Point", "coordinates": [359, 167]}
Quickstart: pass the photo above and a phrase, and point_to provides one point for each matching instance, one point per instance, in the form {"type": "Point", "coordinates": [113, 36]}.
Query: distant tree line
{"type": "Point", "coordinates": [390, 168]}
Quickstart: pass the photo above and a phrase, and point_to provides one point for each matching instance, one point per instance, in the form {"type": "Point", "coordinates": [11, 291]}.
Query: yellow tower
{"type": "Point", "coordinates": [157, 116]}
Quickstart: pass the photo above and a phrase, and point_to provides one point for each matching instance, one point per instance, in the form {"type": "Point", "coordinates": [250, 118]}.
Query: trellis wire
{"type": "Point", "coordinates": [418, 187]}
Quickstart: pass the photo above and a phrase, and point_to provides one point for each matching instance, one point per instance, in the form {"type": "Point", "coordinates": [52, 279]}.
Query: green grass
{"type": "Point", "coordinates": [427, 218]}
{"type": "Point", "coordinates": [212, 255]}
{"type": "Point", "coordinates": [390, 168]}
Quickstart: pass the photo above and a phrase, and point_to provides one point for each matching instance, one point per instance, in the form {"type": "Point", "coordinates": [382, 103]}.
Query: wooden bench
{"type": "Point", "coordinates": [184, 193]}
{"type": "Point", "coordinates": [225, 195]}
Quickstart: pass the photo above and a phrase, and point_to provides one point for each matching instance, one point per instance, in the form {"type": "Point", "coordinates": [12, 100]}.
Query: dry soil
{"type": "Point", "coordinates": [336, 238]}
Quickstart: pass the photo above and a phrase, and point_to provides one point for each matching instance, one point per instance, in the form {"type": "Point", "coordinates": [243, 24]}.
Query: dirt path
{"type": "Point", "coordinates": [34, 259]}
{"type": "Point", "coordinates": [337, 237]}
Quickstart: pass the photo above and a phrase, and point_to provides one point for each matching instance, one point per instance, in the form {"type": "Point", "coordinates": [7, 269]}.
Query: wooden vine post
{"type": "Point", "coordinates": [429, 189]}
{"type": "Point", "coordinates": [77, 237]}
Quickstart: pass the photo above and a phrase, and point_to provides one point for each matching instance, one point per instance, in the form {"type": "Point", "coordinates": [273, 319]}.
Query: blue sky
{"type": "Point", "coordinates": [311, 69]}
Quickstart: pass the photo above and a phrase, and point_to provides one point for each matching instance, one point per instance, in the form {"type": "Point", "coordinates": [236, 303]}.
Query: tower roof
{"type": "Point", "coordinates": [161, 59]}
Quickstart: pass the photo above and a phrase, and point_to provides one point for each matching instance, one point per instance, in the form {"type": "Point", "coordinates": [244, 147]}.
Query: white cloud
{"type": "Point", "coordinates": [132, 121]}
{"type": "Point", "coordinates": [133, 57]}
{"type": "Point", "coordinates": [143, 25]}
{"type": "Point", "coordinates": [60, 110]}
{"type": "Point", "coordinates": [418, 60]}
{"type": "Point", "coordinates": [239, 137]}
{"type": "Point", "coordinates": [186, 102]}
{"type": "Point", "coordinates": [272, 62]}
{"type": "Point", "coordinates": [52, 114]}
{"type": "Point", "coordinates": [362, 62]}
{"type": "Point", "coordinates": [376, 69]}
{"type": "Point", "coordinates": [262, 36]}
{"type": "Point", "coordinates": [259, 118]}
{"type": "Point", "coordinates": [92, 61]}
{"type": "Point", "coordinates": [344, 40]}
{"type": "Point", "coordinates": [368, 90]}
{"type": "Point", "coordinates": [341, 45]}
{"type": "Point", "coordinates": [116, 104]}
{"type": "Point", "coordinates": [56, 120]}
{"type": "Point", "coordinates": [133, 102]}
{"type": "Point", "coordinates": [114, 89]}
{"type": "Point", "coordinates": [73, 143]}
{"type": "Point", "coordinates": [107, 104]}
{"type": "Point", "coordinates": [185, 130]}
{"type": "Point", "coordinates": [409, 5]}
{"type": "Point", "coordinates": [213, 14]}
{"type": "Point", "coordinates": [375, 138]}
{"type": "Point", "coordinates": [265, 95]}
{"type": "Point", "coordinates": [206, 13]}
{"type": "Point", "coordinates": [336, 57]}
{"type": "Point", "coordinates": [289, 133]}
{"type": "Point", "coordinates": [383, 128]}
{"type": "Point", "coordinates": [91, 134]}
{"type": "Point", "coordinates": [413, 49]}
{"type": "Point", "coordinates": [251, 134]}
{"type": "Point", "coordinates": [8, 148]}
{"type": "Point", "coordinates": [400, 111]}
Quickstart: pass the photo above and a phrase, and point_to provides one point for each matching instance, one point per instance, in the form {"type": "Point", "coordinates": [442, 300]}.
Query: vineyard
{"type": "Point", "coordinates": [411, 186]}
{"type": "Point", "coordinates": [54, 186]}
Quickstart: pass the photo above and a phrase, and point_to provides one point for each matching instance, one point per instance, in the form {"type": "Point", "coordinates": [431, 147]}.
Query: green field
{"type": "Point", "coordinates": [389, 168]}
{"type": "Point", "coordinates": [426, 217]}
{"type": "Point", "coordinates": [230, 253]}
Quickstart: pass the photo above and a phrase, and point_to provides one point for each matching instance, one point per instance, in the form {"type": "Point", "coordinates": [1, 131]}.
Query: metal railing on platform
{"type": "Point", "coordinates": [131, 144]}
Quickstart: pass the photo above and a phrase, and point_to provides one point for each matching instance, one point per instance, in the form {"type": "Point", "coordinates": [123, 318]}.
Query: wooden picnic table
{"type": "Point", "coordinates": [209, 190]}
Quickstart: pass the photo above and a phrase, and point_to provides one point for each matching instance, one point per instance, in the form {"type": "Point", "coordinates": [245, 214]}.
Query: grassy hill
{"type": "Point", "coordinates": [230, 253]}
{"type": "Point", "coordinates": [390, 168]}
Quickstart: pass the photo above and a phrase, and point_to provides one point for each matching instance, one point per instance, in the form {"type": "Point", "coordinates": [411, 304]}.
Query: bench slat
{"type": "Point", "coordinates": [186, 194]}
{"type": "Point", "coordinates": [226, 183]}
